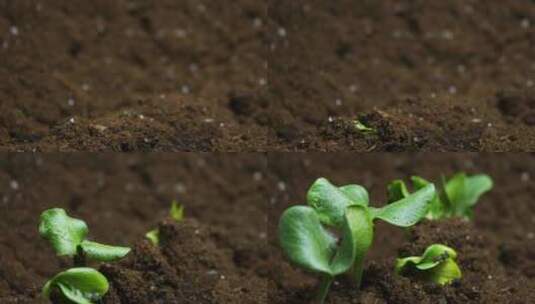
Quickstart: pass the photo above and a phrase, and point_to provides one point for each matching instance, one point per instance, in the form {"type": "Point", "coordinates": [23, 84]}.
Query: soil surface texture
{"type": "Point", "coordinates": [249, 75]}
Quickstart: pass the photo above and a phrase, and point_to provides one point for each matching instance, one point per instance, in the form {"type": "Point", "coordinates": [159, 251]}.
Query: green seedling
{"type": "Point", "coordinates": [457, 199]}
{"type": "Point", "coordinates": [176, 213]}
{"type": "Point", "coordinates": [332, 235]}
{"type": "Point", "coordinates": [436, 265]}
{"type": "Point", "coordinates": [67, 235]}
{"type": "Point", "coordinates": [77, 285]}
{"type": "Point", "coordinates": [364, 129]}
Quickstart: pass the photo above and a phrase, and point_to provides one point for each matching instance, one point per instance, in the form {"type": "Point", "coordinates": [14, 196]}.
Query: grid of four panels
{"type": "Point", "coordinates": [303, 151]}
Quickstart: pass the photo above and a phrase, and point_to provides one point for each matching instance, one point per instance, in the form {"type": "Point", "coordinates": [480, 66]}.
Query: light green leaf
{"type": "Point", "coordinates": [63, 232]}
{"type": "Point", "coordinates": [437, 264]}
{"type": "Point", "coordinates": [464, 191]}
{"type": "Point", "coordinates": [397, 190]}
{"type": "Point", "coordinates": [81, 285]}
{"type": "Point", "coordinates": [356, 193]}
{"type": "Point", "coordinates": [330, 202]}
{"type": "Point", "coordinates": [304, 241]}
{"type": "Point", "coordinates": [153, 236]}
{"type": "Point", "coordinates": [445, 272]}
{"type": "Point", "coordinates": [177, 211]}
{"type": "Point", "coordinates": [408, 211]}
{"type": "Point", "coordinates": [103, 253]}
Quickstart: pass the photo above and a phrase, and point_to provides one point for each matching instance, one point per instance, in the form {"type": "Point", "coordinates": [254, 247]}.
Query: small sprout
{"type": "Point", "coordinates": [77, 285]}
{"type": "Point", "coordinates": [457, 199]}
{"type": "Point", "coordinates": [68, 237]}
{"type": "Point", "coordinates": [176, 213]}
{"type": "Point", "coordinates": [364, 129]}
{"type": "Point", "coordinates": [436, 265]}
{"type": "Point", "coordinates": [332, 235]}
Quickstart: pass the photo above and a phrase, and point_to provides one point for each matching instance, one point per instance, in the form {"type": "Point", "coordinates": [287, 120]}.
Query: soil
{"type": "Point", "coordinates": [496, 252]}
{"type": "Point", "coordinates": [141, 75]}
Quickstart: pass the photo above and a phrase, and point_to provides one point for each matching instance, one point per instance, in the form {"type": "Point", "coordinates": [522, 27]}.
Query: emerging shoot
{"type": "Point", "coordinates": [457, 199]}
{"type": "Point", "coordinates": [332, 235]}
{"type": "Point", "coordinates": [436, 265]}
{"type": "Point", "coordinates": [176, 213]}
{"type": "Point", "coordinates": [364, 129]}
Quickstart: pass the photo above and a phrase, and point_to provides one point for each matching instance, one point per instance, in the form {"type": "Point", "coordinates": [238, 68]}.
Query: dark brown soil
{"type": "Point", "coordinates": [495, 251]}
{"type": "Point", "coordinates": [249, 75]}
{"type": "Point", "coordinates": [129, 75]}
{"type": "Point", "coordinates": [437, 71]}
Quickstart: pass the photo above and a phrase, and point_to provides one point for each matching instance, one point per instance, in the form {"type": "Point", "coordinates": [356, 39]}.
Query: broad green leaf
{"type": "Point", "coordinates": [177, 211]}
{"type": "Point", "coordinates": [78, 282]}
{"type": "Point", "coordinates": [356, 193]}
{"type": "Point", "coordinates": [464, 191]}
{"type": "Point", "coordinates": [304, 240]}
{"type": "Point", "coordinates": [437, 264]}
{"type": "Point", "coordinates": [62, 231]}
{"type": "Point", "coordinates": [408, 211]}
{"type": "Point", "coordinates": [103, 253]}
{"type": "Point", "coordinates": [397, 190]}
{"type": "Point", "coordinates": [330, 202]}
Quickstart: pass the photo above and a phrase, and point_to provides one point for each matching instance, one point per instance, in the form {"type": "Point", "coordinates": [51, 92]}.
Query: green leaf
{"type": "Point", "coordinates": [363, 128]}
{"type": "Point", "coordinates": [397, 190]}
{"type": "Point", "coordinates": [436, 206]}
{"type": "Point", "coordinates": [177, 211]}
{"type": "Point", "coordinates": [432, 256]}
{"type": "Point", "coordinates": [357, 236]}
{"type": "Point", "coordinates": [304, 240]}
{"type": "Point", "coordinates": [445, 272]}
{"type": "Point", "coordinates": [72, 294]}
{"type": "Point", "coordinates": [63, 232]}
{"type": "Point", "coordinates": [464, 191]}
{"type": "Point", "coordinates": [330, 202]}
{"type": "Point", "coordinates": [154, 236]}
{"type": "Point", "coordinates": [437, 264]}
{"type": "Point", "coordinates": [103, 253]}
{"type": "Point", "coordinates": [408, 211]}
{"type": "Point", "coordinates": [80, 285]}
{"type": "Point", "coordinates": [361, 226]}
{"type": "Point", "coordinates": [356, 193]}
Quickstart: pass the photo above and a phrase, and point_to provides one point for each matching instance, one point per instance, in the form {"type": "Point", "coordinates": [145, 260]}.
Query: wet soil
{"type": "Point", "coordinates": [138, 75]}
{"type": "Point", "coordinates": [495, 250]}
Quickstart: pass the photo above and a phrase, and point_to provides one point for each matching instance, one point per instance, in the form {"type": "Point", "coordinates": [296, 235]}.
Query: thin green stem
{"type": "Point", "coordinates": [358, 268]}
{"type": "Point", "coordinates": [323, 289]}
